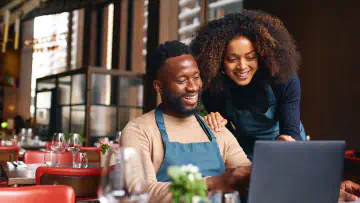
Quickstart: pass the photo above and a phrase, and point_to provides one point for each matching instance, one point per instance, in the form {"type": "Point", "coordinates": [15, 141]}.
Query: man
{"type": "Point", "coordinates": [173, 134]}
{"type": "Point", "coordinates": [349, 191]}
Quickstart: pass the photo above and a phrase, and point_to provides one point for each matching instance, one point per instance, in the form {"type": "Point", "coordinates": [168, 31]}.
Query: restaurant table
{"type": "Point", "coordinates": [26, 175]}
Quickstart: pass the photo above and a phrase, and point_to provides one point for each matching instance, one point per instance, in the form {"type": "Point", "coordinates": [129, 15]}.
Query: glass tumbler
{"type": "Point", "coordinates": [50, 158]}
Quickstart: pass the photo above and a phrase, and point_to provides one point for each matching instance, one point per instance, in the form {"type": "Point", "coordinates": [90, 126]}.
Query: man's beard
{"type": "Point", "coordinates": [175, 103]}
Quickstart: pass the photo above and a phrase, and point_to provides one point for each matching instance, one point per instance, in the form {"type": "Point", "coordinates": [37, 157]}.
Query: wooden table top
{"type": "Point", "coordinates": [26, 175]}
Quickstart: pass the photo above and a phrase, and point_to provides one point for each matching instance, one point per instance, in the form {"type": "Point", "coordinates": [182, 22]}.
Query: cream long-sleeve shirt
{"type": "Point", "coordinates": [142, 133]}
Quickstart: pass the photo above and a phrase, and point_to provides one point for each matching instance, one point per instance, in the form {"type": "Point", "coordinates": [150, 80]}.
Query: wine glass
{"type": "Point", "coordinates": [220, 197]}
{"type": "Point", "coordinates": [123, 177]}
{"type": "Point", "coordinates": [74, 145]}
{"type": "Point", "coordinates": [58, 143]}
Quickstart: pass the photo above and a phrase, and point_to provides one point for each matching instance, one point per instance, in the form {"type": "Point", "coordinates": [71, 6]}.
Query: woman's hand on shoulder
{"type": "Point", "coordinates": [215, 121]}
{"type": "Point", "coordinates": [287, 138]}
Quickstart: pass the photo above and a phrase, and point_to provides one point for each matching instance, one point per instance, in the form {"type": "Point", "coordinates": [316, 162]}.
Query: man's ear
{"type": "Point", "coordinates": [158, 86]}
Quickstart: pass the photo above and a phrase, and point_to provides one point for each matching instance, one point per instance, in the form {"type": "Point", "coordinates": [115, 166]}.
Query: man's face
{"type": "Point", "coordinates": [181, 85]}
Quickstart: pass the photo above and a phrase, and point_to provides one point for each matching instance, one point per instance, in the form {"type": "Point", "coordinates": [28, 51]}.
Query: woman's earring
{"type": "Point", "coordinates": [223, 72]}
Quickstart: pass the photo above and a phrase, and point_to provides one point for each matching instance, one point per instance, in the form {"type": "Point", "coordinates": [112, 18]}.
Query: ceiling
{"type": "Point", "coordinates": [53, 6]}
{"type": "Point", "coordinates": [4, 2]}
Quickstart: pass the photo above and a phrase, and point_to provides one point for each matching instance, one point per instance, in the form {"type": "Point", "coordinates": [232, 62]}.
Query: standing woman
{"type": "Point", "coordinates": [249, 63]}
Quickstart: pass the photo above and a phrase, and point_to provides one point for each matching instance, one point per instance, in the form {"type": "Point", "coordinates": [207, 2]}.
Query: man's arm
{"type": "Point", "coordinates": [233, 179]}
{"type": "Point", "coordinates": [349, 191]}
{"type": "Point", "coordinates": [134, 136]}
{"type": "Point", "coordinates": [238, 166]}
{"type": "Point", "coordinates": [234, 155]}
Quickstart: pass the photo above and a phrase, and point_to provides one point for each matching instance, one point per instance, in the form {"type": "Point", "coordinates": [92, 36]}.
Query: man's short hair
{"type": "Point", "coordinates": [164, 51]}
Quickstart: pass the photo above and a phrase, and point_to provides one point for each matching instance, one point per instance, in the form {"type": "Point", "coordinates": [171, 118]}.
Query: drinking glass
{"type": "Point", "coordinates": [14, 140]}
{"type": "Point", "coordinates": [81, 160]}
{"type": "Point", "coordinates": [123, 177]}
{"type": "Point", "coordinates": [220, 197]}
{"type": "Point", "coordinates": [58, 143]}
{"type": "Point", "coordinates": [36, 140]}
{"type": "Point", "coordinates": [50, 158]}
{"type": "Point", "coordinates": [74, 145]}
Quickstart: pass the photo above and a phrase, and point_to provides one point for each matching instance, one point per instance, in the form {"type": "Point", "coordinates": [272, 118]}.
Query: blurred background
{"type": "Point", "coordinates": [80, 65]}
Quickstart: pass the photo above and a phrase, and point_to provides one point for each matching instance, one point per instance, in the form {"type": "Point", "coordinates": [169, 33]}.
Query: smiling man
{"type": "Point", "coordinates": [173, 134]}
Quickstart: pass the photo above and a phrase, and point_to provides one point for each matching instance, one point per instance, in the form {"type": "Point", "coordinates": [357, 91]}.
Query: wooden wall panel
{"type": "Point", "coordinates": [327, 34]}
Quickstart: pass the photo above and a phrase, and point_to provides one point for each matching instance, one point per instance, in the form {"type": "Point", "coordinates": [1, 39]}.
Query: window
{"type": "Point", "coordinates": [109, 40]}
{"type": "Point", "coordinates": [146, 13]}
{"type": "Point", "coordinates": [219, 8]}
{"type": "Point", "coordinates": [189, 19]}
{"type": "Point", "coordinates": [49, 48]}
{"type": "Point", "coordinates": [76, 42]}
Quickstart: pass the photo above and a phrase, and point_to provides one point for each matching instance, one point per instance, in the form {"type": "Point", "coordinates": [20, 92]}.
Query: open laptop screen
{"type": "Point", "coordinates": [296, 172]}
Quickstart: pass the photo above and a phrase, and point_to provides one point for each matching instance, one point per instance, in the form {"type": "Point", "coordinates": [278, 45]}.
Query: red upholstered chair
{"type": "Point", "coordinates": [351, 166]}
{"type": "Point", "coordinates": [93, 153]}
{"type": "Point", "coordinates": [9, 153]}
{"type": "Point", "coordinates": [3, 178]}
{"type": "Point", "coordinates": [37, 157]}
{"type": "Point", "coordinates": [53, 194]}
{"type": "Point", "coordinates": [85, 181]}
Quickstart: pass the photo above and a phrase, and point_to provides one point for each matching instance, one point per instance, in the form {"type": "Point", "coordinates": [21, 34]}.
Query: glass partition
{"type": "Point", "coordinates": [114, 98]}
{"type": "Point", "coordinates": [219, 8]}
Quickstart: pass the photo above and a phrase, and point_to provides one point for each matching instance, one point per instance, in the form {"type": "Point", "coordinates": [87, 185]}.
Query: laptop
{"type": "Point", "coordinates": [296, 172]}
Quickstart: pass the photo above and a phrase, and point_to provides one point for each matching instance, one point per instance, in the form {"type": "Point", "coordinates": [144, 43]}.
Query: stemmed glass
{"type": "Point", "coordinates": [74, 145]}
{"type": "Point", "coordinates": [58, 143]}
{"type": "Point", "coordinates": [220, 197]}
{"type": "Point", "coordinates": [123, 177]}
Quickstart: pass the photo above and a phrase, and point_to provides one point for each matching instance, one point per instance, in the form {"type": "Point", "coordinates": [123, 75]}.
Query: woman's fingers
{"type": "Point", "coordinates": [209, 122]}
{"type": "Point", "coordinates": [219, 119]}
{"type": "Point", "coordinates": [285, 138]}
{"type": "Point", "coordinates": [215, 121]}
{"type": "Point", "coordinates": [224, 122]}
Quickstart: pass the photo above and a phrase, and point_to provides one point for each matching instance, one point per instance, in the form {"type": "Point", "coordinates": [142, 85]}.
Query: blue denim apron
{"type": "Point", "coordinates": [205, 155]}
{"type": "Point", "coordinates": [252, 125]}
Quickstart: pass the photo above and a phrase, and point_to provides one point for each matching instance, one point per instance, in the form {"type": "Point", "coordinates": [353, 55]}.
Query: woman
{"type": "Point", "coordinates": [249, 65]}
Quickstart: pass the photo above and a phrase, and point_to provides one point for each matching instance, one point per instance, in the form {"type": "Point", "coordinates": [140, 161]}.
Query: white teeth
{"type": "Point", "coordinates": [191, 98]}
{"type": "Point", "coordinates": [243, 74]}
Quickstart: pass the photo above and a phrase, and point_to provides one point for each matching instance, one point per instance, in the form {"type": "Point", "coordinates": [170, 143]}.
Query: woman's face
{"type": "Point", "coordinates": [240, 60]}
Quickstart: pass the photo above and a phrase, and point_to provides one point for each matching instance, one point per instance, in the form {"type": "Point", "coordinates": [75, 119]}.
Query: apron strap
{"type": "Point", "coordinates": [160, 123]}
{"type": "Point", "coordinates": [205, 127]}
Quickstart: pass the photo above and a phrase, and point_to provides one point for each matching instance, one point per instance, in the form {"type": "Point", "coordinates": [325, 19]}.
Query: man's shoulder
{"type": "Point", "coordinates": [225, 134]}
{"type": "Point", "coordinates": [149, 116]}
{"type": "Point", "coordinates": [143, 121]}
{"type": "Point", "coordinates": [138, 129]}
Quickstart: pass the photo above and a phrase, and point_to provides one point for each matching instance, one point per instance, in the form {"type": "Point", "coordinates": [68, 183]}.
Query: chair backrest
{"type": "Point", "coordinates": [37, 157]}
{"type": "Point", "coordinates": [351, 166]}
{"type": "Point", "coordinates": [53, 194]}
{"type": "Point", "coordinates": [93, 153]}
{"type": "Point", "coordinates": [85, 181]}
{"type": "Point", "coordinates": [9, 153]}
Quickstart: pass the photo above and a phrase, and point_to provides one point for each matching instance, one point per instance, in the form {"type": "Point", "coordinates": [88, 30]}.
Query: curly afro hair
{"type": "Point", "coordinates": [278, 55]}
